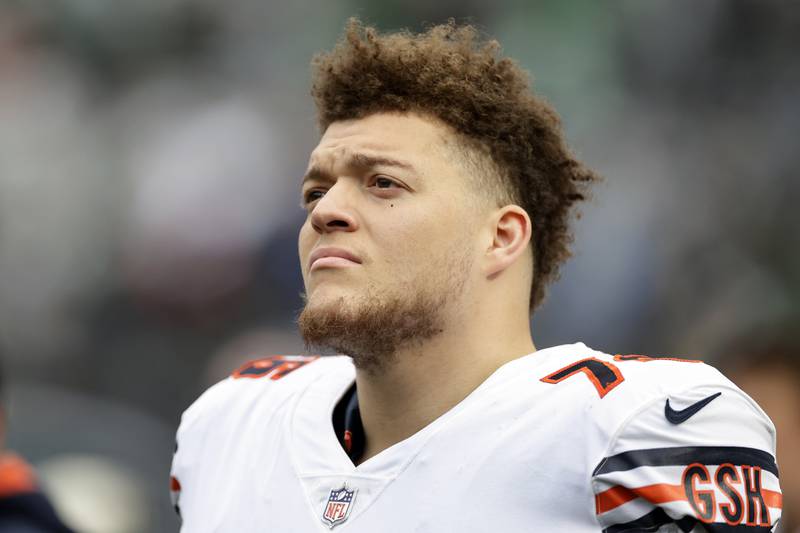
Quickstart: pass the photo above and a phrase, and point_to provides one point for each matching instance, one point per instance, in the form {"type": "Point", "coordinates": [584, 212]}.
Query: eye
{"type": "Point", "coordinates": [383, 182]}
{"type": "Point", "coordinates": [312, 195]}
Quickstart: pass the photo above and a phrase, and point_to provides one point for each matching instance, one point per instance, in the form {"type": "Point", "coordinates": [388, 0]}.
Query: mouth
{"type": "Point", "coordinates": [330, 257]}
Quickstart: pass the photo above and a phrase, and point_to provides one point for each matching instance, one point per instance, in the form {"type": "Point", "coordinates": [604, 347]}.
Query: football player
{"type": "Point", "coordinates": [438, 204]}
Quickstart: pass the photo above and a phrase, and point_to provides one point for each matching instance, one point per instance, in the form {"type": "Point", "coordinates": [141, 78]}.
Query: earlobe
{"type": "Point", "coordinates": [511, 230]}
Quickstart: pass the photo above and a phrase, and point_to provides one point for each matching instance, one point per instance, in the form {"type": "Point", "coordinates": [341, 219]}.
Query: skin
{"type": "Point", "coordinates": [409, 224]}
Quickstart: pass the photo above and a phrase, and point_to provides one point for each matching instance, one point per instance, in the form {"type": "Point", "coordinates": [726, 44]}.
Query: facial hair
{"type": "Point", "coordinates": [372, 327]}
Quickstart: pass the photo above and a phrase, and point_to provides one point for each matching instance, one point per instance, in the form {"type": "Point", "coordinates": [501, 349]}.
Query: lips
{"type": "Point", "coordinates": [332, 257]}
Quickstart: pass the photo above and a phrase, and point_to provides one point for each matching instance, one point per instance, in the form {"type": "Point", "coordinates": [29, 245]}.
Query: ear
{"type": "Point", "coordinates": [511, 233]}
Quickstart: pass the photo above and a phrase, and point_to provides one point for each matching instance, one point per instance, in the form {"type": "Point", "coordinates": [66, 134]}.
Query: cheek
{"type": "Point", "coordinates": [305, 241]}
{"type": "Point", "coordinates": [417, 245]}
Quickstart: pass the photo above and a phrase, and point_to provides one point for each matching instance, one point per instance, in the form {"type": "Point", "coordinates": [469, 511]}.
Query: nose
{"type": "Point", "coordinates": [334, 212]}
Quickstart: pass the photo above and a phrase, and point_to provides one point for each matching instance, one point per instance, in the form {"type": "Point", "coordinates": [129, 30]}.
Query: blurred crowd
{"type": "Point", "coordinates": [150, 156]}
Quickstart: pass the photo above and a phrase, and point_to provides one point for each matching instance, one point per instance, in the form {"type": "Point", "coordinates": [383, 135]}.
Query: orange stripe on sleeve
{"type": "Point", "coordinates": [772, 498]}
{"type": "Point", "coordinates": [616, 496]}
{"type": "Point", "coordinates": [612, 498]}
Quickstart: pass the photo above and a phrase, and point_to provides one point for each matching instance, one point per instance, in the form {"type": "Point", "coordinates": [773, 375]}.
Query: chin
{"type": "Point", "coordinates": [327, 295]}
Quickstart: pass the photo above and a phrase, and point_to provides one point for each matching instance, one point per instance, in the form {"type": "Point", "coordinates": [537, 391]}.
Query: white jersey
{"type": "Point", "coordinates": [566, 439]}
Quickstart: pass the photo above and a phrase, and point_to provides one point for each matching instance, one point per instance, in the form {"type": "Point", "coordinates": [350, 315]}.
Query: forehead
{"type": "Point", "coordinates": [392, 134]}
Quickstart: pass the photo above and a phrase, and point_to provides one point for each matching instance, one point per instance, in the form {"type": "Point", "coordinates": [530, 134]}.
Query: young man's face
{"type": "Point", "coordinates": [394, 217]}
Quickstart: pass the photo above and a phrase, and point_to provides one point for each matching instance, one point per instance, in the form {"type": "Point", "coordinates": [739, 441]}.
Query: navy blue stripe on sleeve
{"type": "Point", "coordinates": [657, 518]}
{"type": "Point", "coordinates": [686, 455]}
{"type": "Point", "coordinates": [651, 522]}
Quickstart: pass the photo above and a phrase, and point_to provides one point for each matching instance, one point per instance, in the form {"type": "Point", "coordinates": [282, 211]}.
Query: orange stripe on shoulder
{"type": "Point", "coordinates": [616, 496]}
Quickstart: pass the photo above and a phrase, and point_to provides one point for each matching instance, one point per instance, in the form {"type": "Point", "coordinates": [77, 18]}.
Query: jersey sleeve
{"type": "Point", "coordinates": [701, 459]}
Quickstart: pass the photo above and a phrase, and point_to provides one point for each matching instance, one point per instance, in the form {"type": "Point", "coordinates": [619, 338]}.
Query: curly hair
{"type": "Point", "coordinates": [452, 74]}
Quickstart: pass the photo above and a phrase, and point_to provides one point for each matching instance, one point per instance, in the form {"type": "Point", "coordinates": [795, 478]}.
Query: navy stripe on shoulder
{"type": "Point", "coordinates": [652, 521]}
{"type": "Point", "coordinates": [686, 455]}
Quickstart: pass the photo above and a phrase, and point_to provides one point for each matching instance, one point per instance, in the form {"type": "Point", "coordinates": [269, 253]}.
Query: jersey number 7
{"type": "Point", "coordinates": [603, 375]}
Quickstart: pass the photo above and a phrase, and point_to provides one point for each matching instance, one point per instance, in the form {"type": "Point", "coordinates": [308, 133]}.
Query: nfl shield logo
{"type": "Point", "coordinates": [338, 507]}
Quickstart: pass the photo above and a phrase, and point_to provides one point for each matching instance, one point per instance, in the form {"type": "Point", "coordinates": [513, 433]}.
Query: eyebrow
{"type": "Point", "coordinates": [362, 161]}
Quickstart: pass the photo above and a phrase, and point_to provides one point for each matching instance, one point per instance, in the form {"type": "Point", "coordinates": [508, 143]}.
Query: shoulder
{"type": "Point", "coordinates": [252, 396]}
{"type": "Point", "coordinates": [613, 388]}
{"type": "Point", "coordinates": [238, 412]}
{"type": "Point", "coordinates": [675, 431]}
{"type": "Point", "coordinates": [625, 374]}
{"type": "Point", "coordinates": [664, 401]}
{"type": "Point", "coordinates": [276, 376]}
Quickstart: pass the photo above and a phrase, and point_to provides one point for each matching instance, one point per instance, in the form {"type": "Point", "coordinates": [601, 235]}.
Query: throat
{"type": "Point", "coordinates": [382, 409]}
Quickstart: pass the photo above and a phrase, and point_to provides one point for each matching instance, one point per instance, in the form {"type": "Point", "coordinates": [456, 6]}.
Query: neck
{"type": "Point", "coordinates": [425, 381]}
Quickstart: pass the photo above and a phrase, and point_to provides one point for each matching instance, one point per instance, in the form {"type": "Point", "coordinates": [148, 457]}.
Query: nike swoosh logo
{"type": "Point", "coordinates": [678, 417]}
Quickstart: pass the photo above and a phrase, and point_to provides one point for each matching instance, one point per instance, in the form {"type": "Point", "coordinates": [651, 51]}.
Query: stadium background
{"type": "Point", "coordinates": [150, 154]}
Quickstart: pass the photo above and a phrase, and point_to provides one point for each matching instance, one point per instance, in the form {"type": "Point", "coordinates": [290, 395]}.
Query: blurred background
{"type": "Point", "coordinates": [150, 156]}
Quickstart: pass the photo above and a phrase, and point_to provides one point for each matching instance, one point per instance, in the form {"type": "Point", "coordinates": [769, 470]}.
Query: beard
{"type": "Point", "coordinates": [372, 327]}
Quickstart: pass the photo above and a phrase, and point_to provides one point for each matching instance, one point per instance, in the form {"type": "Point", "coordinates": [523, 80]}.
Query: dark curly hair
{"type": "Point", "coordinates": [451, 73]}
